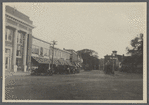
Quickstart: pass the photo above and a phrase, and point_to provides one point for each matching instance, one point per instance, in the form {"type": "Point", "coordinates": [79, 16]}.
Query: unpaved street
{"type": "Point", "coordinates": [86, 85]}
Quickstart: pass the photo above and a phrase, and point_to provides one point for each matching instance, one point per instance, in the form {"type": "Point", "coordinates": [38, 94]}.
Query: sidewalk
{"type": "Point", "coordinates": [8, 73]}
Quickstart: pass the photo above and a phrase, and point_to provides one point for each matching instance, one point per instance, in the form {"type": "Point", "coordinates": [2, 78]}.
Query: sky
{"type": "Point", "coordinates": [102, 27]}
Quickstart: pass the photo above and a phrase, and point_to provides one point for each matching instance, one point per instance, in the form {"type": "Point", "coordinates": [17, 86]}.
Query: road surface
{"type": "Point", "coordinates": [86, 85]}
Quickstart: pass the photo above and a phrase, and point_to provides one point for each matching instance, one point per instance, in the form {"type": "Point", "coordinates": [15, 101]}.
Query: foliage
{"type": "Point", "coordinates": [137, 49]}
{"type": "Point", "coordinates": [90, 58]}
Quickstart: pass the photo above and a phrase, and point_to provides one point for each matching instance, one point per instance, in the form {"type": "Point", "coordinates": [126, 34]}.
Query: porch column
{"type": "Point", "coordinates": [25, 52]}
{"type": "Point", "coordinates": [14, 66]}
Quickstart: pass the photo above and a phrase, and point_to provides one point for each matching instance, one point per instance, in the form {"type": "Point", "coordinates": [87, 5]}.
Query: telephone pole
{"type": "Point", "coordinates": [53, 43]}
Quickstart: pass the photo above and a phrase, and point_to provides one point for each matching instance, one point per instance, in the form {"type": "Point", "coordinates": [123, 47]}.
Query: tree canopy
{"type": "Point", "coordinates": [90, 58]}
{"type": "Point", "coordinates": [137, 49]}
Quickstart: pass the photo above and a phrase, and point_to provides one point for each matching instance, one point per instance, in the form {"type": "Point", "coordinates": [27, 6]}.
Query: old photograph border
{"type": "Point", "coordinates": [77, 101]}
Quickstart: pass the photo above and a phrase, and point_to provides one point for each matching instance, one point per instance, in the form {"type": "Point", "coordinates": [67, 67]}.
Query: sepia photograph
{"type": "Point", "coordinates": [82, 52]}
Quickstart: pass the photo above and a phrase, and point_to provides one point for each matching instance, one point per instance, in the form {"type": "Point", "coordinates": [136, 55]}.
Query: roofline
{"type": "Point", "coordinates": [62, 50]}
{"type": "Point", "coordinates": [51, 44]}
{"type": "Point", "coordinates": [71, 50]}
{"type": "Point", "coordinates": [41, 40]}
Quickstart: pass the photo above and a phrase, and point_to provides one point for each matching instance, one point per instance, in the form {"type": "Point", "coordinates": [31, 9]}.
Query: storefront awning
{"type": "Point", "coordinates": [64, 62]}
{"type": "Point", "coordinates": [55, 61]}
{"type": "Point", "coordinates": [73, 63]}
{"type": "Point", "coordinates": [42, 60]}
{"type": "Point", "coordinates": [61, 61]}
{"type": "Point", "coordinates": [79, 65]}
{"type": "Point", "coordinates": [46, 61]}
{"type": "Point", "coordinates": [69, 63]}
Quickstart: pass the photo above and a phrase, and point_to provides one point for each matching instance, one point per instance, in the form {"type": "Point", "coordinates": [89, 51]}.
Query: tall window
{"type": "Point", "coordinates": [46, 52]}
{"type": "Point", "coordinates": [41, 51]}
{"type": "Point", "coordinates": [19, 52]}
{"type": "Point", "coordinates": [7, 50]}
{"type": "Point", "coordinates": [35, 49]}
{"type": "Point", "coordinates": [20, 38]}
{"type": "Point", "coordinates": [19, 44]}
{"type": "Point", "coordinates": [8, 34]}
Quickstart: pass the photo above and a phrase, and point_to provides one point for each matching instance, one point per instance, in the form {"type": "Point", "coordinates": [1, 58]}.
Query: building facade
{"type": "Point", "coordinates": [74, 57]}
{"type": "Point", "coordinates": [60, 54]}
{"type": "Point", "coordinates": [42, 53]}
{"type": "Point", "coordinates": [114, 58]}
{"type": "Point", "coordinates": [18, 39]}
{"type": "Point", "coordinates": [40, 48]}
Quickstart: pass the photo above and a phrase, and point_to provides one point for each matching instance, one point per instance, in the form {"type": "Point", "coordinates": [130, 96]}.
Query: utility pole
{"type": "Point", "coordinates": [49, 54]}
{"type": "Point", "coordinates": [53, 43]}
{"type": "Point", "coordinates": [113, 55]}
{"type": "Point", "coordinates": [103, 63]}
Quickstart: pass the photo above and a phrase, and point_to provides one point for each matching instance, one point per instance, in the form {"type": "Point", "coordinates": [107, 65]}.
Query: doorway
{"type": "Point", "coordinates": [7, 58]}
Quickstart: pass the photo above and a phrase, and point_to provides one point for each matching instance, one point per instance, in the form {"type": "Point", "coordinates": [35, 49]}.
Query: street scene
{"type": "Point", "coordinates": [79, 51]}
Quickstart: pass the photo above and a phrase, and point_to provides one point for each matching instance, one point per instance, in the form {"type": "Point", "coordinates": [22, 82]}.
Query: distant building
{"type": "Point", "coordinates": [18, 37]}
{"type": "Point", "coordinates": [74, 57]}
{"type": "Point", "coordinates": [114, 58]}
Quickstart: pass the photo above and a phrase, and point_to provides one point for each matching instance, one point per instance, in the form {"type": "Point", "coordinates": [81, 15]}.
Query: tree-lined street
{"type": "Point", "coordinates": [87, 85]}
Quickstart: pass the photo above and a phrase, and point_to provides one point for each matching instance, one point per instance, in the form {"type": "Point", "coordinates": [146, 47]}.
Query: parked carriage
{"type": "Point", "coordinates": [43, 69]}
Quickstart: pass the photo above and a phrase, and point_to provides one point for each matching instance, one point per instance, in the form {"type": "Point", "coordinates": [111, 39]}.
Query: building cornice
{"type": "Point", "coordinates": [19, 20]}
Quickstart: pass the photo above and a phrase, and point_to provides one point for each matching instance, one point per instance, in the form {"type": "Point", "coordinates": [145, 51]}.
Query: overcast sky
{"type": "Point", "coordinates": [102, 27]}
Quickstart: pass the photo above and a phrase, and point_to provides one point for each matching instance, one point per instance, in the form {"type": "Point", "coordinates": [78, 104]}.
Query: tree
{"type": "Point", "coordinates": [137, 46]}
{"type": "Point", "coordinates": [137, 49]}
{"type": "Point", "coordinates": [90, 58]}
